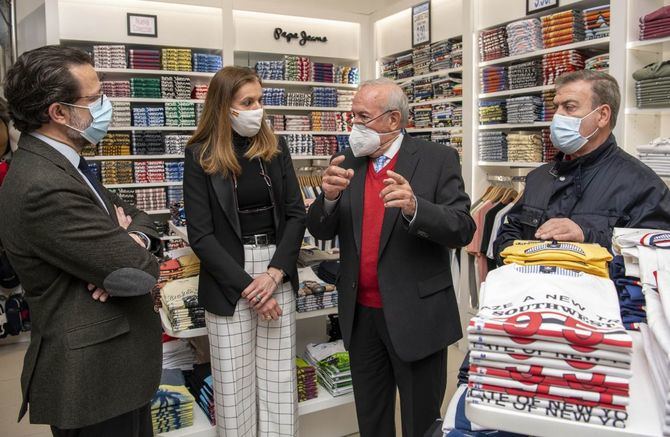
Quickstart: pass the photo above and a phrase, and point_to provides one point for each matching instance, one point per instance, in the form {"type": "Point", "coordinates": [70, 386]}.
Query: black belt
{"type": "Point", "coordinates": [259, 239]}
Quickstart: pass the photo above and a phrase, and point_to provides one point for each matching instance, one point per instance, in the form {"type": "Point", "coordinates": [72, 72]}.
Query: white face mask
{"type": "Point", "coordinates": [246, 123]}
{"type": "Point", "coordinates": [565, 133]}
{"type": "Point", "coordinates": [365, 141]}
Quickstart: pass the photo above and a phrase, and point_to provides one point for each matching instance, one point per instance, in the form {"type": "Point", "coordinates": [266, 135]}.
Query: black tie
{"type": "Point", "coordinates": [86, 170]}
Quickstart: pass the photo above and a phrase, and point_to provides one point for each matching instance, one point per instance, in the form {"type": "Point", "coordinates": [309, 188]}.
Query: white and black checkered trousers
{"type": "Point", "coordinates": [253, 363]}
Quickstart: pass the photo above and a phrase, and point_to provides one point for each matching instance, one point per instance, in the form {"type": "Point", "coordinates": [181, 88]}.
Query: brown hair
{"type": "Point", "coordinates": [215, 132]}
{"type": "Point", "coordinates": [605, 89]}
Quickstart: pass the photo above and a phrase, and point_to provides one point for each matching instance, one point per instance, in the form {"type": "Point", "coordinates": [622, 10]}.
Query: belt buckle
{"type": "Point", "coordinates": [261, 239]}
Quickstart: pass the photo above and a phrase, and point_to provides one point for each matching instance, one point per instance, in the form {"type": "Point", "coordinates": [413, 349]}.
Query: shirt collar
{"type": "Point", "coordinates": [68, 152]}
{"type": "Point", "coordinates": [395, 146]}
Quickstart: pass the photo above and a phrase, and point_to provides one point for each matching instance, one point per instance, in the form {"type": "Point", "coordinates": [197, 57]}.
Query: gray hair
{"type": "Point", "coordinates": [396, 98]}
{"type": "Point", "coordinates": [605, 89]}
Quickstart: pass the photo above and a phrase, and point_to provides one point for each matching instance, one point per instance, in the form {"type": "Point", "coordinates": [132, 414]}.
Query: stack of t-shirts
{"type": "Point", "coordinates": [548, 150]}
{"type": "Point", "coordinates": [492, 146]}
{"type": "Point", "coordinates": [177, 354]}
{"type": "Point", "coordinates": [179, 268]}
{"type": "Point", "coordinates": [493, 79]}
{"type": "Point", "coordinates": [172, 405]}
{"type": "Point", "coordinates": [656, 154]}
{"type": "Point", "coordinates": [277, 121]}
{"type": "Point", "coordinates": [344, 121]}
{"type": "Point", "coordinates": [555, 64]}
{"type": "Point", "coordinates": [421, 59]}
{"type": "Point", "coordinates": [652, 86]}
{"type": "Point", "coordinates": [314, 296]}
{"type": "Point", "coordinates": [597, 22]}
{"type": "Point", "coordinates": [144, 59]}
{"type": "Point", "coordinates": [297, 68]}
{"type": "Point", "coordinates": [349, 75]}
{"type": "Point", "coordinates": [457, 54]}
{"type": "Point", "coordinates": [344, 98]}
{"type": "Point", "coordinates": [178, 214]}
{"type": "Point", "coordinates": [493, 44]}
{"type": "Point", "coordinates": [148, 116]}
{"type": "Point", "coordinates": [126, 194]}
{"type": "Point", "coordinates": [114, 143]}
{"type": "Point", "coordinates": [655, 24]}
{"type": "Point", "coordinates": [199, 383]}
{"type": "Point", "coordinates": [440, 58]}
{"type": "Point", "coordinates": [179, 299]}
{"type": "Point", "coordinates": [446, 115]}
{"type": "Point", "coordinates": [588, 258]}
{"type": "Point", "coordinates": [492, 112]}
{"type": "Point", "coordinates": [120, 114]}
{"type": "Point", "coordinates": [149, 171]}
{"type": "Point", "coordinates": [176, 60]}
{"type": "Point", "coordinates": [206, 63]}
{"type": "Point", "coordinates": [175, 143]}
{"type": "Point", "coordinates": [297, 122]}
{"type": "Point", "coordinates": [524, 36]}
{"type": "Point", "coordinates": [390, 69]}
{"type": "Point", "coordinates": [548, 107]}
{"type": "Point", "coordinates": [563, 28]}
{"type": "Point", "coordinates": [300, 144]}
{"type": "Point", "coordinates": [117, 172]}
{"type": "Point", "coordinates": [342, 142]}
{"type": "Point", "coordinates": [199, 92]}
{"type": "Point", "coordinates": [525, 75]}
{"type": "Point", "coordinates": [423, 116]}
{"type": "Point", "coordinates": [631, 299]}
{"type": "Point", "coordinates": [322, 72]}
{"type": "Point", "coordinates": [298, 99]}
{"type": "Point", "coordinates": [332, 366]}
{"type": "Point", "coordinates": [443, 87]}
{"type": "Point", "coordinates": [147, 143]}
{"type": "Point", "coordinates": [175, 195]}
{"type": "Point", "coordinates": [524, 146]}
{"type": "Point", "coordinates": [274, 97]}
{"type": "Point", "coordinates": [552, 338]}
{"type": "Point", "coordinates": [324, 97]}
{"type": "Point", "coordinates": [523, 109]}
{"type": "Point", "coordinates": [179, 114]}
{"type": "Point", "coordinates": [150, 199]}
{"type": "Point", "coordinates": [404, 66]}
{"type": "Point", "coordinates": [423, 89]}
{"type": "Point", "coordinates": [175, 87]}
{"type": "Point", "coordinates": [408, 89]}
{"type": "Point", "coordinates": [199, 109]}
{"type": "Point", "coordinates": [307, 386]}
{"type": "Point", "coordinates": [270, 70]}
{"type": "Point", "coordinates": [116, 88]}
{"type": "Point", "coordinates": [325, 145]}
{"type": "Point", "coordinates": [109, 56]}
{"type": "Point", "coordinates": [324, 121]}
{"type": "Point", "coordinates": [145, 87]}
{"type": "Point", "coordinates": [598, 62]}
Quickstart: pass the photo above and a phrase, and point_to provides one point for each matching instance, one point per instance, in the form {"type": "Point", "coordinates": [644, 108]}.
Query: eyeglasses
{"type": "Point", "coordinates": [268, 183]}
{"type": "Point", "coordinates": [93, 97]}
{"type": "Point", "coordinates": [366, 120]}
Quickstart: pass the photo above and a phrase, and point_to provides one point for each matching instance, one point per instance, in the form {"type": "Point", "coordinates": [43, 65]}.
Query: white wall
{"type": "Point", "coordinates": [30, 29]}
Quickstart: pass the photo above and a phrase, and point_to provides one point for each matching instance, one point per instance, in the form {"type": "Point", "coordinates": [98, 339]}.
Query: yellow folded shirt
{"type": "Point", "coordinates": [585, 257]}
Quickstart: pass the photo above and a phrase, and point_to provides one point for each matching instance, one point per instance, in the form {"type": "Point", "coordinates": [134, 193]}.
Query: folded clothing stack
{"type": "Point", "coordinates": [598, 63]}
{"type": "Point", "coordinates": [344, 121]}
{"type": "Point", "coordinates": [390, 69]}
{"type": "Point", "coordinates": [145, 87]}
{"type": "Point", "coordinates": [298, 99]}
{"type": "Point", "coordinates": [656, 155]}
{"type": "Point", "coordinates": [297, 122]}
{"type": "Point", "coordinates": [548, 150]}
{"type": "Point", "coordinates": [175, 87]}
{"type": "Point", "coordinates": [524, 146]}
{"type": "Point", "coordinates": [126, 194]}
{"type": "Point", "coordinates": [632, 302]}
{"type": "Point", "coordinates": [207, 63]}
{"type": "Point", "coordinates": [652, 86]}
{"type": "Point", "coordinates": [344, 98]}
{"type": "Point", "coordinates": [325, 145]}
{"type": "Point", "coordinates": [324, 121]}
{"type": "Point", "coordinates": [525, 75]}
{"type": "Point", "coordinates": [277, 121]}
{"type": "Point", "coordinates": [446, 86]}
{"type": "Point", "coordinates": [555, 64]}
{"type": "Point", "coordinates": [114, 144]}
{"type": "Point", "coordinates": [524, 36]}
{"type": "Point", "coordinates": [492, 146]}
{"type": "Point", "coordinates": [655, 24]}
{"type": "Point", "coordinates": [421, 59]}
{"type": "Point", "coordinates": [150, 199]}
{"type": "Point", "coordinates": [199, 92]}
{"type": "Point", "coordinates": [597, 22]}
{"type": "Point", "coordinates": [324, 97]}
{"type": "Point", "coordinates": [493, 79]}
{"type": "Point", "coordinates": [179, 299]}
{"type": "Point", "coordinates": [423, 116]}
{"type": "Point", "coordinates": [300, 144]}
{"type": "Point", "coordinates": [183, 267]}
{"type": "Point", "coordinates": [314, 296]}
{"type": "Point", "coordinates": [148, 116]}
{"type": "Point", "coordinates": [109, 56]}
{"type": "Point", "coordinates": [405, 68]}
{"type": "Point", "coordinates": [179, 114]}
{"type": "Point", "coordinates": [493, 44]}
{"type": "Point", "coordinates": [297, 68]}
{"type": "Point", "coordinates": [563, 28]}
{"type": "Point", "coordinates": [408, 89]}
{"type": "Point", "coordinates": [332, 366]}
{"type": "Point", "coordinates": [492, 112]}
{"type": "Point", "coordinates": [178, 354]}
{"type": "Point", "coordinates": [199, 110]}
{"type": "Point", "coordinates": [423, 89]}
{"type": "Point", "coordinates": [447, 115]}
{"type": "Point", "coordinates": [322, 72]}
{"type": "Point", "coordinates": [121, 116]}
{"type": "Point", "coordinates": [116, 88]}
{"type": "Point", "coordinates": [345, 74]}
{"type": "Point", "coordinates": [144, 59]}
{"type": "Point", "coordinates": [175, 144]}
{"type": "Point", "coordinates": [523, 109]}
{"type": "Point", "coordinates": [149, 172]}
{"type": "Point", "coordinates": [440, 57]}
{"type": "Point", "coordinates": [457, 54]}
{"type": "Point", "coordinates": [172, 405]}
{"type": "Point", "coordinates": [274, 97]}
{"type": "Point", "coordinates": [200, 384]}
{"type": "Point", "coordinates": [147, 143]}
{"type": "Point", "coordinates": [175, 195]}
{"type": "Point", "coordinates": [176, 59]}
{"type": "Point", "coordinates": [270, 70]}
{"type": "Point", "coordinates": [117, 172]}
{"type": "Point", "coordinates": [307, 380]}
{"type": "Point", "coordinates": [548, 107]}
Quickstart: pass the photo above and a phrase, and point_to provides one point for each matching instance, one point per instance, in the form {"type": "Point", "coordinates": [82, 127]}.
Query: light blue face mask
{"type": "Point", "coordinates": [565, 133]}
{"type": "Point", "coordinates": [101, 111]}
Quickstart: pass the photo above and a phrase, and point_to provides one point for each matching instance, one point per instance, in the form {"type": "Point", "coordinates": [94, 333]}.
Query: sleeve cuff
{"type": "Point", "coordinates": [144, 237]}
{"type": "Point", "coordinates": [329, 205]}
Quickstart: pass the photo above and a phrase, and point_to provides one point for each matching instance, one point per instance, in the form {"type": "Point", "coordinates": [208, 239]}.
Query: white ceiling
{"type": "Point", "coordinates": [353, 6]}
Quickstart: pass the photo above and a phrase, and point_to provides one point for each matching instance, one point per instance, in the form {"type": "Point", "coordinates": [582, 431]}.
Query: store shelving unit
{"type": "Point", "coordinates": [139, 72]}
{"type": "Point", "coordinates": [518, 91]}
{"type": "Point", "coordinates": [433, 129]}
{"type": "Point", "coordinates": [507, 164]}
{"type": "Point", "coordinates": [598, 44]}
{"type": "Point", "coordinates": [442, 72]}
{"type": "Point", "coordinates": [148, 100]}
{"type": "Point", "coordinates": [133, 157]}
{"type": "Point", "coordinates": [305, 108]}
{"type": "Point", "coordinates": [151, 128]}
{"type": "Point", "coordinates": [437, 101]}
{"type": "Point", "coordinates": [511, 126]}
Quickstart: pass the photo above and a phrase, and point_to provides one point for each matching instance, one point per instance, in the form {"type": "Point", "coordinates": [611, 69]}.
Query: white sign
{"type": "Point", "coordinates": [142, 25]}
{"type": "Point", "coordinates": [421, 24]}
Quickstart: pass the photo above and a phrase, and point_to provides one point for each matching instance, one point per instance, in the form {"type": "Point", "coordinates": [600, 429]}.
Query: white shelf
{"type": "Point", "coordinates": [309, 132]}
{"type": "Point", "coordinates": [188, 333]}
{"type": "Point", "coordinates": [431, 74]}
{"type": "Point", "coordinates": [648, 111]}
{"type": "Point", "coordinates": [200, 428]}
{"type": "Point", "coordinates": [310, 157]}
{"type": "Point", "coordinates": [324, 402]}
{"type": "Point", "coordinates": [531, 90]}
{"type": "Point", "coordinates": [170, 237]}
{"type": "Point", "coordinates": [131, 71]}
{"type": "Point", "coordinates": [514, 126]}
{"type": "Point", "coordinates": [315, 313]}
{"type": "Point", "coordinates": [133, 157]}
{"type": "Point", "coordinates": [180, 231]}
{"type": "Point", "coordinates": [158, 211]}
{"type": "Point", "coordinates": [510, 164]}
{"type": "Point", "coordinates": [591, 44]}
{"type": "Point", "coordinates": [149, 100]}
{"type": "Point", "coordinates": [309, 84]}
{"type": "Point", "coordinates": [147, 185]}
{"type": "Point", "coordinates": [433, 129]}
{"type": "Point", "coordinates": [648, 44]}
{"type": "Point", "coordinates": [305, 108]}
{"type": "Point", "coordinates": [151, 128]}
{"type": "Point", "coordinates": [437, 101]}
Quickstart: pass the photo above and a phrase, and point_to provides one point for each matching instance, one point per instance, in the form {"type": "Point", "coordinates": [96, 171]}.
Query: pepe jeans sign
{"type": "Point", "coordinates": [303, 37]}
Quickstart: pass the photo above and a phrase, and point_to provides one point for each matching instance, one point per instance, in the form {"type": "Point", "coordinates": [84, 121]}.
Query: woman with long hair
{"type": "Point", "coordinates": [246, 221]}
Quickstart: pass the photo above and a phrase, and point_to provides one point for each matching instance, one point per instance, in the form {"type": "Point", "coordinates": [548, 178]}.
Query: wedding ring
{"type": "Point", "coordinates": [258, 298]}
{"type": "Point", "coordinates": [268, 317]}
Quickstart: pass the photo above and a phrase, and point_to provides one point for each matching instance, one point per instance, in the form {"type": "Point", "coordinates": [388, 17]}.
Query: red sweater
{"type": "Point", "coordinates": [373, 217]}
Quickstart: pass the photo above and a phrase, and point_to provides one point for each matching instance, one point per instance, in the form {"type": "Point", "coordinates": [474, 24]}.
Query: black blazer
{"type": "Point", "coordinates": [214, 230]}
{"type": "Point", "coordinates": [414, 271]}
{"type": "Point", "coordinates": [87, 361]}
